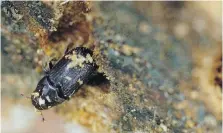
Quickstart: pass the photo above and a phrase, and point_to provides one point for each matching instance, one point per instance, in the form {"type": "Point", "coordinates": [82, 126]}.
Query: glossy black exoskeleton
{"type": "Point", "coordinates": [64, 78]}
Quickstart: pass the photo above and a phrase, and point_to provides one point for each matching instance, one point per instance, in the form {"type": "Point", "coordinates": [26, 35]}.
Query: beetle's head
{"type": "Point", "coordinates": [45, 95]}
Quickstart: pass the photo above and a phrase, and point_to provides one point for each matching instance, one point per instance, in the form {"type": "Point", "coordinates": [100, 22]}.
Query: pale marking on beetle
{"type": "Point", "coordinates": [48, 98]}
{"type": "Point", "coordinates": [80, 81]}
{"type": "Point", "coordinates": [89, 58]}
{"type": "Point", "coordinates": [41, 101]}
{"type": "Point", "coordinates": [68, 78]}
{"type": "Point", "coordinates": [35, 94]}
{"type": "Point", "coordinates": [78, 60]}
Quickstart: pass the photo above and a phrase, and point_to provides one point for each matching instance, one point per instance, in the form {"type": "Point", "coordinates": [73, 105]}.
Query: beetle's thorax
{"type": "Point", "coordinates": [45, 95]}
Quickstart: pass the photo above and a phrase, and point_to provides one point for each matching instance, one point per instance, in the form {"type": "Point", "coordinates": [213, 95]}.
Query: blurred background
{"type": "Point", "coordinates": [163, 61]}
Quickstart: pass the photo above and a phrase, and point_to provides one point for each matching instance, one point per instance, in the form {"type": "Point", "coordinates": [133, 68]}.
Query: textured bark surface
{"type": "Point", "coordinates": [162, 60]}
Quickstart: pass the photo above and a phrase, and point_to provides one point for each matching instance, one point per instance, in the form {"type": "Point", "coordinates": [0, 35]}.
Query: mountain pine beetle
{"type": "Point", "coordinates": [63, 79]}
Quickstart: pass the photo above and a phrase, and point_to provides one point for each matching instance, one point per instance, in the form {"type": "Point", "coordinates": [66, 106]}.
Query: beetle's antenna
{"type": "Point", "coordinates": [43, 119]}
{"type": "Point", "coordinates": [28, 97]}
{"type": "Point", "coordinates": [40, 112]}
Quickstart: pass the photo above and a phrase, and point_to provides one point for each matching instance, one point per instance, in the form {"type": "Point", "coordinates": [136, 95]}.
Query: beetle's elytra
{"type": "Point", "coordinates": [64, 78]}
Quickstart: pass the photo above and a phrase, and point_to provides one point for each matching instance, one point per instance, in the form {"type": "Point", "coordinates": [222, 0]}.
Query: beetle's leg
{"type": "Point", "coordinates": [52, 63]}
{"type": "Point", "coordinates": [69, 46]}
{"type": "Point", "coordinates": [45, 70]}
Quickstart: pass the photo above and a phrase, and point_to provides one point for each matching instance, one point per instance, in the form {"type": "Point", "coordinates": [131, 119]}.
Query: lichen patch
{"type": "Point", "coordinates": [80, 82]}
{"type": "Point", "coordinates": [89, 59]}
{"type": "Point", "coordinates": [77, 60]}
